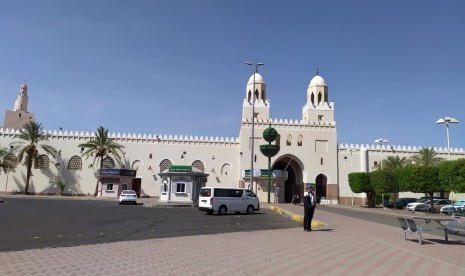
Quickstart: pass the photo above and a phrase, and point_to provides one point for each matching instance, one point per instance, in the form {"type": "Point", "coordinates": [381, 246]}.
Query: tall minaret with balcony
{"type": "Point", "coordinates": [19, 116]}
{"type": "Point", "coordinates": [262, 105]}
{"type": "Point", "coordinates": [318, 108]}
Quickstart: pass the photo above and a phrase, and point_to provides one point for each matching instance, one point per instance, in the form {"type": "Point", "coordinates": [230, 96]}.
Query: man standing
{"type": "Point", "coordinates": [309, 208]}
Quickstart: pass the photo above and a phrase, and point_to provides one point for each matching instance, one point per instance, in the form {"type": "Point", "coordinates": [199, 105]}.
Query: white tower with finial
{"type": "Point", "coordinates": [19, 116]}
{"type": "Point", "coordinates": [318, 107]}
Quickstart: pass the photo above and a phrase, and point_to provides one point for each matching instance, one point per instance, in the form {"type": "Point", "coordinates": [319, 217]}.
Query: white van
{"type": "Point", "coordinates": [223, 200]}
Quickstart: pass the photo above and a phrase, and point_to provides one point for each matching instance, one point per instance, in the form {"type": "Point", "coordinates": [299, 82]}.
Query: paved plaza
{"type": "Point", "coordinates": [339, 245]}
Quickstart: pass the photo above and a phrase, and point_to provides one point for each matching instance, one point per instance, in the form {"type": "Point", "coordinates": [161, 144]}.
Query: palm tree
{"type": "Point", "coordinates": [426, 157]}
{"type": "Point", "coordinates": [3, 154]}
{"type": "Point", "coordinates": [100, 147]}
{"type": "Point", "coordinates": [32, 136]}
{"type": "Point", "coordinates": [391, 163]}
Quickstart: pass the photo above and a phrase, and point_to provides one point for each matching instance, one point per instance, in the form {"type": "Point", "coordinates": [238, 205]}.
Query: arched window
{"type": "Point", "coordinates": [289, 140]}
{"type": "Point", "coordinates": [312, 98]}
{"type": "Point", "coordinates": [300, 138]}
{"type": "Point", "coordinates": [278, 139]}
{"type": "Point", "coordinates": [199, 165]}
{"type": "Point", "coordinates": [319, 98]}
{"type": "Point", "coordinates": [150, 156]}
{"type": "Point", "coordinates": [43, 162]}
{"type": "Point", "coordinates": [75, 163]}
{"type": "Point", "coordinates": [108, 163]}
{"type": "Point", "coordinates": [164, 164]}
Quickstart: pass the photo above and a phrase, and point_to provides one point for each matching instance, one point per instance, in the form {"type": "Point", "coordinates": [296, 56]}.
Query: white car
{"type": "Point", "coordinates": [128, 196]}
{"type": "Point", "coordinates": [411, 206]}
{"type": "Point", "coordinates": [457, 207]}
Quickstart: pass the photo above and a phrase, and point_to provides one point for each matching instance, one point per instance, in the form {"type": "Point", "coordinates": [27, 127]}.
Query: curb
{"type": "Point", "coordinates": [296, 217]}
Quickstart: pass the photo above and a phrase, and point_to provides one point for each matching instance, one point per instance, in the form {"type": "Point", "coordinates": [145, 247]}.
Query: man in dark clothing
{"type": "Point", "coordinates": [309, 208]}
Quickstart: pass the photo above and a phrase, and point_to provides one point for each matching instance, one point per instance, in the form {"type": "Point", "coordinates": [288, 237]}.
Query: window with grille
{"type": "Point", "coordinates": [199, 165]}
{"type": "Point", "coordinates": [43, 161]}
{"type": "Point", "coordinates": [75, 163]}
{"type": "Point", "coordinates": [11, 161]}
{"type": "Point", "coordinates": [299, 140]}
{"type": "Point", "coordinates": [165, 164]}
{"type": "Point", "coordinates": [108, 163]}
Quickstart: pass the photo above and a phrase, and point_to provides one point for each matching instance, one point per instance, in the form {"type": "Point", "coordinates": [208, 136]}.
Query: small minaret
{"type": "Point", "coordinates": [318, 107]}
{"type": "Point", "coordinates": [262, 105]}
{"type": "Point", "coordinates": [19, 116]}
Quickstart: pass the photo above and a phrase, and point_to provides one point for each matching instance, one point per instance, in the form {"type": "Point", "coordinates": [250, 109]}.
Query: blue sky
{"type": "Point", "coordinates": [177, 67]}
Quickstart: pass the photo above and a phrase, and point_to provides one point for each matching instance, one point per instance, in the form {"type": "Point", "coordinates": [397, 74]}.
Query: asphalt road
{"type": "Point", "coordinates": [27, 223]}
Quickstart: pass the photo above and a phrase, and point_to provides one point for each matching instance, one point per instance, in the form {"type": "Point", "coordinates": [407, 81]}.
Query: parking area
{"type": "Point", "coordinates": [28, 223]}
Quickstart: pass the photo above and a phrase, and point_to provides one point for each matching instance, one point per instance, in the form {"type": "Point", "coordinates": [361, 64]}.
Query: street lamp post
{"type": "Point", "coordinates": [381, 141]}
{"type": "Point", "coordinates": [256, 65]}
{"type": "Point", "coordinates": [447, 121]}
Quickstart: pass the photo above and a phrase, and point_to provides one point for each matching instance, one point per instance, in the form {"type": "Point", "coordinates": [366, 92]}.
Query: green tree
{"type": "Point", "coordinates": [359, 182]}
{"type": "Point", "coordinates": [420, 179]}
{"type": "Point", "coordinates": [384, 182]}
{"type": "Point", "coordinates": [100, 147]}
{"type": "Point", "coordinates": [391, 163]}
{"type": "Point", "coordinates": [32, 138]}
{"type": "Point", "coordinates": [452, 175]}
{"type": "Point", "coordinates": [426, 157]}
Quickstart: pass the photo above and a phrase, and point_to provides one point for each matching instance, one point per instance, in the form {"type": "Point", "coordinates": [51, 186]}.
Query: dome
{"type": "Point", "coordinates": [317, 80]}
{"type": "Point", "coordinates": [258, 79]}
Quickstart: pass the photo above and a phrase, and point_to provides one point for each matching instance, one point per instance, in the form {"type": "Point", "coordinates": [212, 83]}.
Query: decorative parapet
{"type": "Point", "coordinates": [394, 148]}
{"type": "Point", "coordinates": [128, 137]}
{"type": "Point", "coordinates": [289, 122]}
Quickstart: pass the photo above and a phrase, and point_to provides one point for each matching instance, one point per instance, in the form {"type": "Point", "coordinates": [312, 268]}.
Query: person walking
{"type": "Point", "coordinates": [309, 208]}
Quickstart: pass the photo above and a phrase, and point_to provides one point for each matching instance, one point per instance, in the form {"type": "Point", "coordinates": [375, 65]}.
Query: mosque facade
{"type": "Point", "coordinates": [174, 167]}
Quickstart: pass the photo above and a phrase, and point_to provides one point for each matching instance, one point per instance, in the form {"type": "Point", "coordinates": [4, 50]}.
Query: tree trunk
{"type": "Point", "coordinates": [28, 177]}
{"type": "Point", "coordinates": [96, 185]}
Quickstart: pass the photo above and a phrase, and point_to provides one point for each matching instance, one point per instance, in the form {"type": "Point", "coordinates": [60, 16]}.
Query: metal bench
{"type": "Point", "coordinates": [409, 226]}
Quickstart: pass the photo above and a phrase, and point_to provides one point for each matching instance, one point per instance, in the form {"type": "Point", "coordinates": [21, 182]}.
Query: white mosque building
{"type": "Point", "coordinates": [173, 168]}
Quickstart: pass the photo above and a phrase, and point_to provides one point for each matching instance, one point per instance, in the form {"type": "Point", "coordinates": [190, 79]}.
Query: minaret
{"type": "Point", "coordinates": [19, 116]}
{"type": "Point", "coordinates": [318, 107]}
{"type": "Point", "coordinates": [21, 102]}
{"type": "Point", "coordinates": [262, 105]}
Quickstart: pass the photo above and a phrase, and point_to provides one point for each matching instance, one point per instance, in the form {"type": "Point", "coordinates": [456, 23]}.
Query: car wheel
{"type": "Point", "coordinates": [222, 210]}
{"type": "Point", "coordinates": [250, 209]}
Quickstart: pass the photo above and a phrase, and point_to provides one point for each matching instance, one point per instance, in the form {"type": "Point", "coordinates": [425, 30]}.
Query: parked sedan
{"type": "Point", "coordinates": [128, 196]}
{"type": "Point", "coordinates": [456, 208]}
{"type": "Point", "coordinates": [412, 206]}
{"type": "Point", "coordinates": [437, 204]}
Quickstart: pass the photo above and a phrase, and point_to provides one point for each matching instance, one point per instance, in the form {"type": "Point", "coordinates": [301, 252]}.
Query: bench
{"type": "Point", "coordinates": [409, 226]}
{"type": "Point", "coordinates": [453, 228]}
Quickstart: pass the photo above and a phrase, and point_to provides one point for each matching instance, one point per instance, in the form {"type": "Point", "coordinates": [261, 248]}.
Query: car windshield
{"type": "Point", "coordinates": [128, 193]}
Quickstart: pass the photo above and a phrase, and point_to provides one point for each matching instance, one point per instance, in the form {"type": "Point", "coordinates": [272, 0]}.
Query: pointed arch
{"type": "Point", "coordinates": [75, 163]}
{"type": "Point", "coordinates": [300, 139]}
{"type": "Point", "coordinates": [289, 140]}
{"type": "Point", "coordinates": [199, 165]}
{"type": "Point", "coordinates": [108, 163]}
{"type": "Point", "coordinates": [43, 162]}
{"type": "Point", "coordinates": [164, 164]}
{"type": "Point", "coordinates": [226, 169]}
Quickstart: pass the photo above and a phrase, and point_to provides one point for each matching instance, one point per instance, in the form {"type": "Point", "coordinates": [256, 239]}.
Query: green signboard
{"type": "Point", "coordinates": [180, 168]}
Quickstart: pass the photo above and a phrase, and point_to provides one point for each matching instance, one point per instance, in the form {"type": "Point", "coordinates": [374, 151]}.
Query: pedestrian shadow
{"type": "Point", "coordinates": [323, 230]}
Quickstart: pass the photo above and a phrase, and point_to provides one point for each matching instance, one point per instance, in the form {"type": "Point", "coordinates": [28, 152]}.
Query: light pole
{"type": "Point", "coordinates": [447, 121]}
{"type": "Point", "coordinates": [256, 65]}
{"type": "Point", "coordinates": [382, 141]}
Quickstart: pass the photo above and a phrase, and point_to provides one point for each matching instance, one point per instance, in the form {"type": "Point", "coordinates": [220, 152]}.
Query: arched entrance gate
{"type": "Point", "coordinates": [294, 182]}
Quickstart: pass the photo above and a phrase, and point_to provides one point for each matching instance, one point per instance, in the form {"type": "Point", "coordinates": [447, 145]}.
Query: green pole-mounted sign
{"type": "Point", "coordinates": [180, 168]}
